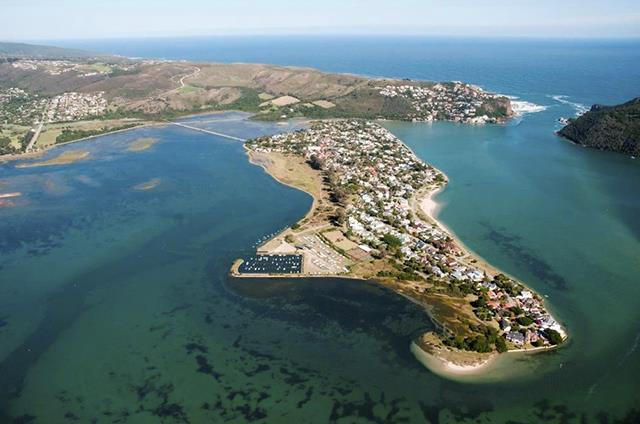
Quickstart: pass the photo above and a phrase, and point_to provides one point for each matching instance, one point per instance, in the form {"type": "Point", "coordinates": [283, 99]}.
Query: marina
{"type": "Point", "coordinates": [272, 264]}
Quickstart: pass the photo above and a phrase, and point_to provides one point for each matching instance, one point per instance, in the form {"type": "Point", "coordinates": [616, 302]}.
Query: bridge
{"type": "Point", "coordinates": [230, 137]}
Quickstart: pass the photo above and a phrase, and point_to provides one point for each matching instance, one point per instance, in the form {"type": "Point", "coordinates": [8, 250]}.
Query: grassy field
{"type": "Point", "coordinates": [14, 132]}
{"type": "Point", "coordinates": [100, 67]}
{"type": "Point", "coordinates": [190, 89]}
{"type": "Point", "coordinates": [51, 131]}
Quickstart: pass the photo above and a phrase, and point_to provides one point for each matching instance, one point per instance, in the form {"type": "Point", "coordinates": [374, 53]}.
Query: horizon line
{"type": "Point", "coordinates": [330, 35]}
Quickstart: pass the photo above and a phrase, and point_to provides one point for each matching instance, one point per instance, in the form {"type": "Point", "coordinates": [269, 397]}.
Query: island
{"type": "Point", "coordinates": [612, 128]}
{"type": "Point", "coordinates": [372, 219]}
{"type": "Point", "coordinates": [50, 96]}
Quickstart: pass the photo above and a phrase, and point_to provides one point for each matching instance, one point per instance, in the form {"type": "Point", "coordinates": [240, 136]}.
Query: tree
{"type": "Point", "coordinates": [479, 344]}
{"type": "Point", "coordinates": [501, 345]}
{"type": "Point", "coordinates": [392, 241]}
{"type": "Point", "coordinates": [553, 336]}
{"type": "Point", "coordinates": [340, 217]}
{"type": "Point", "coordinates": [524, 321]}
{"type": "Point", "coordinates": [315, 162]}
{"type": "Point", "coordinates": [5, 146]}
{"type": "Point", "coordinates": [27, 139]}
{"type": "Point", "coordinates": [516, 310]}
{"type": "Point", "coordinates": [339, 195]}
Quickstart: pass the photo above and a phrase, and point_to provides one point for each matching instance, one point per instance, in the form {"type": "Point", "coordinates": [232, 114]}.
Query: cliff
{"type": "Point", "coordinates": [614, 128]}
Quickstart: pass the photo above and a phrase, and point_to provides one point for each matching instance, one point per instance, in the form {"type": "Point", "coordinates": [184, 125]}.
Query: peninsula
{"type": "Point", "coordinates": [371, 219]}
{"type": "Point", "coordinates": [613, 128]}
{"type": "Point", "coordinates": [50, 96]}
{"type": "Point", "coordinates": [371, 216]}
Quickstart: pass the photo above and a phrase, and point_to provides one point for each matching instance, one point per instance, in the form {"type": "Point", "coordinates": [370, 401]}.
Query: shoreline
{"type": "Point", "coordinates": [430, 208]}
{"type": "Point", "coordinates": [314, 204]}
{"type": "Point", "coordinates": [147, 124]}
{"type": "Point", "coordinates": [450, 369]}
{"type": "Point", "coordinates": [422, 202]}
{"type": "Point", "coordinates": [426, 209]}
{"type": "Point", "coordinates": [494, 368]}
{"type": "Point", "coordinates": [39, 153]}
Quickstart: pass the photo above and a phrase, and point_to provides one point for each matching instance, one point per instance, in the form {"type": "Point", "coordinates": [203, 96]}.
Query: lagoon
{"type": "Point", "coordinates": [115, 302]}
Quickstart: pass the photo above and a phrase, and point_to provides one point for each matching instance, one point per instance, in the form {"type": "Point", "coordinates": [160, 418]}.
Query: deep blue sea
{"type": "Point", "coordinates": [115, 304]}
{"type": "Point", "coordinates": [587, 71]}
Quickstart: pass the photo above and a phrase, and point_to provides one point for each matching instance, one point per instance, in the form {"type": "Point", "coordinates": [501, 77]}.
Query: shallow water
{"type": "Point", "coordinates": [115, 305]}
{"type": "Point", "coordinates": [560, 218]}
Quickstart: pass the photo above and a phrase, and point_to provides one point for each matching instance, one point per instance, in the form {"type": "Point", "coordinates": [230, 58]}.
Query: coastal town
{"type": "Point", "coordinates": [375, 180]}
{"type": "Point", "coordinates": [38, 92]}
{"type": "Point", "coordinates": [23, 116]}
{"type": "Point", "coordinates": [73, 106]}
{"type": "Point", "coordinates": [17, 107]}
{"type": "Point", "coordinates": [455, 101]}
{"type": "Point", "coordinates": [20, 108]}
{"type": "Point", "coordinates": [61, 67]}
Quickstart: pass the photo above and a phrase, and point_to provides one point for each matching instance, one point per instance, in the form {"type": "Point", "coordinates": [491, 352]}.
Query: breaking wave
{"type": "Point", "coordinates": [578, 107]}
{"type": "Point", "coordinates": [521, 107]}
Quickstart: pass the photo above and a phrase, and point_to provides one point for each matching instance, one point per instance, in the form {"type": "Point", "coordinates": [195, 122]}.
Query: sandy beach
{"type": "Point", "coordinates": [516, 364]}
{"type": "Point", "coordinates": [429, 206]}
{"type": "Point", "coordinates": [450, 369]}
{"type": "Point", "coordinates": [425, 205]}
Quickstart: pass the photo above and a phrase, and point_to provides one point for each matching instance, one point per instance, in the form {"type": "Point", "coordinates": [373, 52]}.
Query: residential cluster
{"type": "Point", "coordinates": [454, 101]}
{"type": "Point", "coordinates": [21, 108]}
{"type": "Point", "coordinates": [60, 67]}
{"type": "Point", "coordinates": [51, 67]}
{"type": "Point", "coordinates": [11, 93]}
{"type": "Point", "coordinates": [377, 177]}
{"type": "Point", "coordinates": [74, 106]}
{"type": "Point", "coordinates": [18, 107]}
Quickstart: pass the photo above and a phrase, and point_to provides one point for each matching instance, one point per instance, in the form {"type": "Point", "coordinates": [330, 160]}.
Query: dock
{"type": "Point", "coordinates": [272, 265]}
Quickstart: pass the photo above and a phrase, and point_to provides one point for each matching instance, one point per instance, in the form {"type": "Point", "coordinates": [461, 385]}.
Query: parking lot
{"type": "Point", "coordinates": [320, 258]}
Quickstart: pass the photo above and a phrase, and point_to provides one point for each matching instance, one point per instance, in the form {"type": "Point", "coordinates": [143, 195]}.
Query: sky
{"type": "Point", "coordinates": [87, 19]}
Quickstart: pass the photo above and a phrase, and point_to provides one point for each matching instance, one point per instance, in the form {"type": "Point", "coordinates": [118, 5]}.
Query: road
{"type": "Point", "coordinates": [35, 137]}
{"type": "Point", "coordinates": [195, 73]}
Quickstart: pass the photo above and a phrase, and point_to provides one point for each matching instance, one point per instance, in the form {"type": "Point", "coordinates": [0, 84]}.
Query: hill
{"type": "Point", "coordinates": [614, 128]}
{"type": "Point", "coordinates": [40, 84]}
{"type": "Point", "coordinates": [167, 88]}
{"type": "Point", "coordinates": [34, 51]}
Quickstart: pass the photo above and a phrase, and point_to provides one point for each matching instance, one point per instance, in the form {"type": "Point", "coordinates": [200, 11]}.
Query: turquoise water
{"type": "Point", "coordinates": [115, 305]}
{"type": "Point", "coordinates": [561, 219]}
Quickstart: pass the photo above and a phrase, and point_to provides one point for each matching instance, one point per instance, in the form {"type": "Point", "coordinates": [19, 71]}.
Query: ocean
{"type": "Point", "coordinates": [115, 303]}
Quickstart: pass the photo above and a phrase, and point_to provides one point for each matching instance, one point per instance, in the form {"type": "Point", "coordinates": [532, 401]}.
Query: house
{"type": "Point", "coordinates": [516, 338]}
